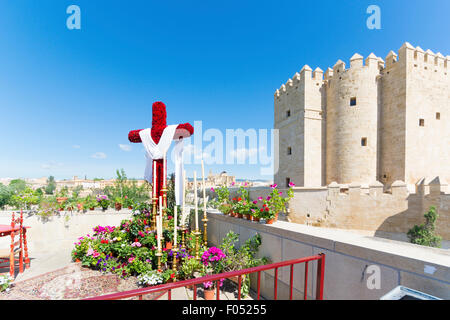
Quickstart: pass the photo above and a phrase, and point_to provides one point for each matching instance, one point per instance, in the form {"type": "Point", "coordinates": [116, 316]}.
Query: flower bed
{"type": "Point", "coordinates": [130, 249]}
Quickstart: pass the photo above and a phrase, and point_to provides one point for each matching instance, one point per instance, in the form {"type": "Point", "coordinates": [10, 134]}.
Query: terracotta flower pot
{"type": "Point", "coordinates": [251, 218]}
{"type": "Point", "coordinates": [256, 219]}
{"type": "Point", "coordinates": [61, 199]}
{"type": "Point", "coordinates": [276, 217]}
{"type": "Point", "coordinates": [209, 294]}
{"type": "Point", "coordinates": [118, 206]}
{"type": "Point", "coordinates": [247, 216]}
{"type": "Point", "coordinates": [240, 215]}
{"type": "Point", "coordinates": [92, 209]}
{"type": "Point", "coordinates": [130, 207]}
{"type": "Point", "coordinates": [77, 260]}
{"type": "Point", "coordinates": [168, 245]}
{"type": "Point", "coordinates": [270, 221]}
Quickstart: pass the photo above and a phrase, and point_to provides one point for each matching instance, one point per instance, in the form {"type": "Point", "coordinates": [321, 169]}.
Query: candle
{"type": "Point", "coordinates": [175, 227]}
{"type": "Point", "coordinates": [158, 235]}
{"type": "Point", "coordinates": [154, 179]}
{"type": "Point", "coordinates": [183, 212]}
{"type": "Point", "coordinates": [204, 190]}
{"type": "Point", "coordinates": [164, 170]}
{"type": "Point", "coordinates": [195, 200]}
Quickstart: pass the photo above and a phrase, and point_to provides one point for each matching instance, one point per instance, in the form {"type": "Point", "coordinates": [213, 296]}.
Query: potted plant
{"type": "Point", "coordinates": [118, 203]}
{"type": "Point", "coordinates": [103, 201]}
{"type": "Point", "coordinates": [212, 260]}
{"type": "Point", "coordinates": [190, 268]}
{"type": "Point", "coordinates": [128, 202]}
{"type": "Point", "coordinates": [275, 203]}
{"type": "Point", "coordinates": [241, 258]}
{"type": "Point", "coordinates": [90, 203]}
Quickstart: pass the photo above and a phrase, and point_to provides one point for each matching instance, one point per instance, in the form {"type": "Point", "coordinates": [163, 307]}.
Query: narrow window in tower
{"type": "Point", "coordinates": [364, 142]}
{"type": "Point", "coordinates": [353, 101]}
{"type": "Point", "coordinates": [438, 116]}
{"type": "Point", "coordinates": [288, 181]}
{"type": "Point", "coordinates": [422, 122]}
{"type": "Point", "coordinates": [289, 151]}
{"type": "Point", "coordinates": [288, 113]}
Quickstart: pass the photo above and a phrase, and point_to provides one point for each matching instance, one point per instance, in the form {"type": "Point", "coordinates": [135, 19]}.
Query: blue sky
{"type": "Point", "coordinates": [66, 95]}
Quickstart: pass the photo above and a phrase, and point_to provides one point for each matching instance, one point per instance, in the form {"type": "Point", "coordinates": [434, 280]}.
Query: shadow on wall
{"type": "Point", "coordinates": [427, 194]}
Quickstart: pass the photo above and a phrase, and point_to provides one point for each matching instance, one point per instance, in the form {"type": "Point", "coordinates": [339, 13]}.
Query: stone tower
{"type": "Point", "coordinates": [298, 117]}
{"type": "Point", "coordinates": [372, 121]}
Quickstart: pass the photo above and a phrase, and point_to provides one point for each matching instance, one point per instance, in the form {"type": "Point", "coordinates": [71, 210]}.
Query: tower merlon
{"type": "Point", "coordinates": [306, 72]}
{"type": "Point", "coordinates": [318, 74]}
{"type": "Point", "coordinates": [328, 74]}
{"type": "Point", "coordinates": [391, 58]}
{"type": "Point", "coordinates": [429, 56]}
{"type": "Point", "coordinates": [356, 61]}
{"type": "Point", "coordinates": [372, 60]}
{"type": "Point", "coordinates": [339, 66]}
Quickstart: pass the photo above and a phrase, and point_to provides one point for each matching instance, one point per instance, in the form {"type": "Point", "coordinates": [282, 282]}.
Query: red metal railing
{"type": "Point", "coordinates": [168, 287]}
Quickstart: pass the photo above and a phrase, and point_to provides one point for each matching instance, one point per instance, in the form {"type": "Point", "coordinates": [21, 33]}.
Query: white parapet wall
{"type": "Point", "coordinates": [47, 236]}
{"type": "Point", "coordinates": [351, 264]}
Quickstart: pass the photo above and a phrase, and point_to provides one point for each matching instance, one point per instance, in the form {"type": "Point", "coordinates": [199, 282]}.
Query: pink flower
{"type": "Point", "coordinates": [95, 254]}
{"type": "Point", "coordinates": [255, 202]}
{"type": "Point", "coordinates": [232, 183]}
{"type": "Point", "coordinates": [274, 186]}
{"type": "Point", "coordinates": [131, 259]}
{"type": "Point", "coordinates": [212, 189]}
{"type": "Point", "coordinates": [291, 184]}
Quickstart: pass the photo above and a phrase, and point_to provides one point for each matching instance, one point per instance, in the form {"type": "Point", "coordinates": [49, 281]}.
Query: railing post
{"type": "Point", "coordinates": [306, 282]}
{"type": "Point", "coordinates": [320, 277]}
{"type": "Point", "coordinates": [218, 289]}
{"type": "Point", "coordinates": [291, 286]}
{"type": "Point", "coordinates": [259, 283]}
{"type": "Point", "coordinates": [275, 293]}
{"type": "Point", "coordinates": [239, 287]}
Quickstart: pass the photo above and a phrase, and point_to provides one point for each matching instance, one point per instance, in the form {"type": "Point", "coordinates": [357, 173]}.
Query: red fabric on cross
{"type": "Point", "coordinates": [159, 123]}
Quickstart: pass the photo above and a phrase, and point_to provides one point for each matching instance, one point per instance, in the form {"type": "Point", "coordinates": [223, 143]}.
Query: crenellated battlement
{"type": "Point", "coordinates": [406, 55]}
{"type": "Point", "coordinates": [300, 79]}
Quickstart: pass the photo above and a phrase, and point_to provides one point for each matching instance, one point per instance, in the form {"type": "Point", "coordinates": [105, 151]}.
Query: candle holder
{"type": "Point", "coordinates": [183, 231]}
{"type": "Point", "coordinates": [197, 234]}
{"type": "Point", "coordinates": [154, 213]}
{"type": "Point", "coordinates": [205, 230]}
{"type": "Point", "coordinates": [159, 255]}
{"type": "Point", "coordinates": [164, 195]}
{"type": "Point", "coordinates": [174, 263]}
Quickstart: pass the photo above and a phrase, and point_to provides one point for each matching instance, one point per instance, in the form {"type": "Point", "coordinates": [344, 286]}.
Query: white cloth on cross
{"type": "Point", "coordinates": [157, 151]}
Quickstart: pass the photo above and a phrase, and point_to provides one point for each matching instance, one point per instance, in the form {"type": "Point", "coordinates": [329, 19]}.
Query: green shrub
{"type": "Point", "coordinates": [425, 233]}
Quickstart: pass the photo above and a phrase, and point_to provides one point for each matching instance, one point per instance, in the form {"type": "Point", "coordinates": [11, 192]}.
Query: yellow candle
{"type": "Point", "coordinates": [175, 227]}
{"type": "Point", "coordinates": [195, 200]}
{"type": "Point", "coordinates": [204, 190]}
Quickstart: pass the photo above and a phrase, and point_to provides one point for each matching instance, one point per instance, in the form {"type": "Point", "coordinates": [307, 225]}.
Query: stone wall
{"type": "Point", "coordinates": [368, 208]}
{"type": "Point", "coordinates": [348, 257]}
{"type": "Point", "coordinates": [59, 232]}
